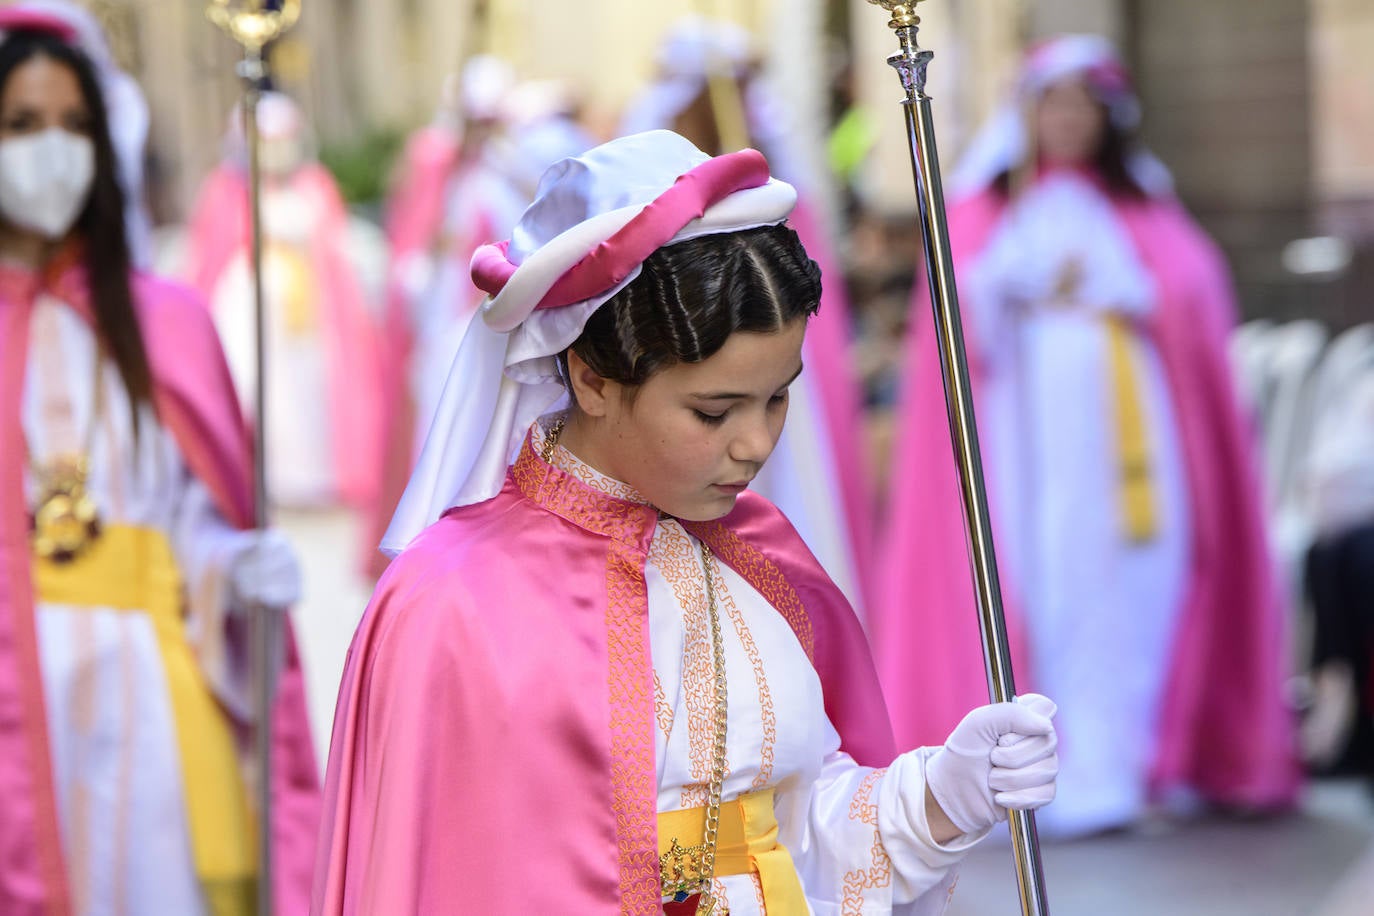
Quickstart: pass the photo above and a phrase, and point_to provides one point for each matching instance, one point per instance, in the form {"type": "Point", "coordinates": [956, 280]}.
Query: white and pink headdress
{"type": "Point", "coordinates": [1003, 141]}
{"type": "Point", "coordinates": [596, 218]}
{"type": "Point", "coordinates": [125, 106]}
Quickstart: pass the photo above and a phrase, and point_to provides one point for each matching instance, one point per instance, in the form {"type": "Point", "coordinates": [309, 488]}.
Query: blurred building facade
{"type": "Point", "coordinates": [1264, 109]}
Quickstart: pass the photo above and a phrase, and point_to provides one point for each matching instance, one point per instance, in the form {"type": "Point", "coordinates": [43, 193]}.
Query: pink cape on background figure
{"type": "Point", "coordinates": [195, 401]}
{"type": "Point", "coordinates": [414, 218]}
{"type": "Point", "coordinates": [467, 671]}
{"type": "Point", "coordinates": [1225, 731]}
{"type": "Point", "coordinates": [829, 361]}
{"type": "Point", "coordinates": [219, 232]}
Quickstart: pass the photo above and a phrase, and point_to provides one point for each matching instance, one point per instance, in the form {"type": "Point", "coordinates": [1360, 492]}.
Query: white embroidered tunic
{"type": "Point", "coordinates": [857, 836]}
{"type": "Point", "coordinates": [117, 770]}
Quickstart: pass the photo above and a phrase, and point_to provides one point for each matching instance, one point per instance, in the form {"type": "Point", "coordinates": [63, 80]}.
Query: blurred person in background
{"type": "Point", "coordinates": [709, 89]}
{"type": "Point", "coordinates": [513, 132]}
{"type": "Point", "coordinates": [1122, 478]}
{"type": "Point", "coordinates": [128, 569]}
{"type": "Point", "coordinates": [323, 375]}
{"type": "Point", "coordinates": [1338, 733]}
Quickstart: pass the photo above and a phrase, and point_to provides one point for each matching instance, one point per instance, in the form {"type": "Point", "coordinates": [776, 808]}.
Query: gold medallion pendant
{"type": "Point", "coordinates": [66, 522]}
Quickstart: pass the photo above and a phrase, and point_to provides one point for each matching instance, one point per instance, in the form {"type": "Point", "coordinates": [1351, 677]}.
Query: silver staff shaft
{"type": "Point", "coordinates": [911, 62]}
{"type": "Point", "coordinates": [264, 619]}
{"type": "Point", "coordinates": [254, 25]}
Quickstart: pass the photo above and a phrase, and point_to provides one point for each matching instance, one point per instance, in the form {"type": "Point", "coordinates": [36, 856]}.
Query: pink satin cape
{"type": "Point", "coordinates": [1224, 728]}
{"type": "Point", "coordinates": [194, 399]}
{"type": "Point", "coordinates": [219, 231]}
{"type": "Point", "coordinates": [493, 747]}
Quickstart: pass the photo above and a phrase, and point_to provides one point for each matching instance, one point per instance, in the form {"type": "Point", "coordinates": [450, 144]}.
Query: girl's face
{"type": "Point", "coordinates": [1069, 123]}
{"type": "Point", "coordinates": [42, 93]}
{"type": "Point", "coordinates": [695, 434]}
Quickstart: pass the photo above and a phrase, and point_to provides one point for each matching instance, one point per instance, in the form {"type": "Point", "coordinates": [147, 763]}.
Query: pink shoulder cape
{"type": "Point", "coordinates": [494, 739]}
{"type": "Point", "coordinates": [1225, 730]}
{"type": "Point", "coordinates": [194, 399]}
{"type": "Point", "coordinates": [219, 231]}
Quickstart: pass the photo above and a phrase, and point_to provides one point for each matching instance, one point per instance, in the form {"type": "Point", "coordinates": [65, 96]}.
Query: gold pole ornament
{"type": "Point", "coordinates": [910, 61]}
{"type": "Point", "coordinates": [253, 25]}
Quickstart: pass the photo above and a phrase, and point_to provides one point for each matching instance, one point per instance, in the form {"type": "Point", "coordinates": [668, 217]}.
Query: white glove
{"type": "Point", "coordinates": [265, 571]}
{"type": "Point", "coordinates": [999, 757]}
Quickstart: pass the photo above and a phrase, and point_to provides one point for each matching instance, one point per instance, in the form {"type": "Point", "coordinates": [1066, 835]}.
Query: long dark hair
{"type": "Point", "coordinates": [690, 297]}
{"type": "Point", "coordinates": [1111, 162]}
{"type": "Point", "coordinates": [101, 222]}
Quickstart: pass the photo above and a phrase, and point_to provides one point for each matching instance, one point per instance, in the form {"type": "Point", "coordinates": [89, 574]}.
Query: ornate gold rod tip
{"type": "Point", "coordinates": [903, 12]}
{"type": "Point", "coordinates": [251, 23]}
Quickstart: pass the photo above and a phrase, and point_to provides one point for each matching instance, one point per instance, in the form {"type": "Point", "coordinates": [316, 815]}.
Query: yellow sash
{"type": "Point", "coordinates": [133, 569]}
{"type": "Point", "coordinates": [1136, 493]}
{"type": "Point", "coordinates": [747, 842]}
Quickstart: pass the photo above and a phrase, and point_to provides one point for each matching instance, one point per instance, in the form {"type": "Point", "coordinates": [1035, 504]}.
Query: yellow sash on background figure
{"type": "Point", "coordinates": [133, 569]}
{"type": "Point", "coordinates": [1137, 496]}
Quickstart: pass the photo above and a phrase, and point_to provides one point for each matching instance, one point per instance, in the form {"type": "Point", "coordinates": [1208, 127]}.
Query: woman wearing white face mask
{"type": "Point", "coordinates": [124, 563]}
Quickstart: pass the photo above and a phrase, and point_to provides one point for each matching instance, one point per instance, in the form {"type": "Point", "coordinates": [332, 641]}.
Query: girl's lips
{"type": "Point", "coordinates": [735, 488]}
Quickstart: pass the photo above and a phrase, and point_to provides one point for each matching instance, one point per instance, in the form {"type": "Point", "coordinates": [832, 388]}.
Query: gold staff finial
{"type": "Point", "coordinates": [251, 23]}
{"type": "Point", "coordinates": [903, 12]}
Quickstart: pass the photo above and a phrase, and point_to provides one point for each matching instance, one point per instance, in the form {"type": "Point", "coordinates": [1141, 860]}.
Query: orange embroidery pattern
{"type": "Point", "coordinates": [672, 554]}
{"type": "Point", "coordinates": [569, 463]}
{"type": "Point", "coordinates": [629, 526]}
{"type": "Point", "coordinates": [632, 728]}
{"type": "Point", "coordinates": [562, 494]}
{"type": "Point", "coordinates": [768, 719]}
{"type": "Point", "coordinates": [764, 576]}
{"type": "Point", "coordinates": [880, 875]}
{"type": "Point", "coordinates": [663, 711]}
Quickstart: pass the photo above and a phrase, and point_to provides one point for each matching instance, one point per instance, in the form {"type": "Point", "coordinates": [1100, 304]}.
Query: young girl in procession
{"type": "Point", "coordinates": [125, 567]}
{"type": "Point", "coordinates": [1122, 477]}
{"type": "Point", "coordinates": [603, 676]}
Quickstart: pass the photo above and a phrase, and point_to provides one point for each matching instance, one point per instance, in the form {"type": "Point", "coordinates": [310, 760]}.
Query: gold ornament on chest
{"type": "Point", "coordinates": [66, 521]}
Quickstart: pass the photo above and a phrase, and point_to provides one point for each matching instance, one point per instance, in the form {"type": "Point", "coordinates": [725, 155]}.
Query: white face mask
{"type": "Point", "coordinates": [45, 180]}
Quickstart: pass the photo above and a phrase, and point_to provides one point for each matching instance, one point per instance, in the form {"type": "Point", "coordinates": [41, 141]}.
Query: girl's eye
{"type": "Point", "coordinates": [710, 419]}
{"type": "Point", "coordinates": [779, 398]}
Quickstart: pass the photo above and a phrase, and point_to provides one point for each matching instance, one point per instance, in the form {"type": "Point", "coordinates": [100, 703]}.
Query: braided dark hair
{"type": "Point", "coordinates": [691, 296]}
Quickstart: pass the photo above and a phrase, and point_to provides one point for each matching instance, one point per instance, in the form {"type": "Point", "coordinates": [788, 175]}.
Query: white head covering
{"type": "Point", "coordinates": [1003, 143]}
{"type": "Point", "coordinates": [126, 111]}
{"type": "Point", "coordinates": [691, 51]}
{"type": "Point", "coordinates": [506, 374]}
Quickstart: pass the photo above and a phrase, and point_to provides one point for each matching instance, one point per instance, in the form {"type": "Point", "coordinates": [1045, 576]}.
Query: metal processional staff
{"type": "Point", "coordinates": [254, 24]}
{"type": "Point", "coordinates": [910, 62]}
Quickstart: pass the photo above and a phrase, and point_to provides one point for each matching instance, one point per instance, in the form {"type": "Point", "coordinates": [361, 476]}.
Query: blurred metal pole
{"type": "Point", "coordinates": [253, 24]}
{"type": "Point", "coordinates": [911, 62]}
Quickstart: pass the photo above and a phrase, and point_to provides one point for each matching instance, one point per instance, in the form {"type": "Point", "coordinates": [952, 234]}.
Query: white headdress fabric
{"type": "Point", "coordinates": [505, 375]}
{"type": "Point", "coordinates": [126, 110]}
{"type": "Point", "coordinates": [1003, 143]}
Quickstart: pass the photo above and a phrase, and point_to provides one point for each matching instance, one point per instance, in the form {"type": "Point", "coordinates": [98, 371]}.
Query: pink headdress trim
{"type": "Point", "coordinates": [15, 20]}
{"type": "Point", "coordinates": [610, 262]}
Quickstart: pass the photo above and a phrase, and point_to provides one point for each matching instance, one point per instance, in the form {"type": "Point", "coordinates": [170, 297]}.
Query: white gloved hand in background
{"type": "Point", "coordinates": [265, 571]}
{"type": "Point", "coordinates": [1000, 756]}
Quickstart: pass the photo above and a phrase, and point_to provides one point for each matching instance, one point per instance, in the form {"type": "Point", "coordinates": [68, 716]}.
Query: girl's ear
{"type": "Point", "coordinates": [591, 392]}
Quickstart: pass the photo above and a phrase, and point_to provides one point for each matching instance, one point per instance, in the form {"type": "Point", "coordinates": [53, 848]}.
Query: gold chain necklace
{"type": "Point", "coordinates": [687, 869]}
{"type": "Point", "coordinates": [66, 521]}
